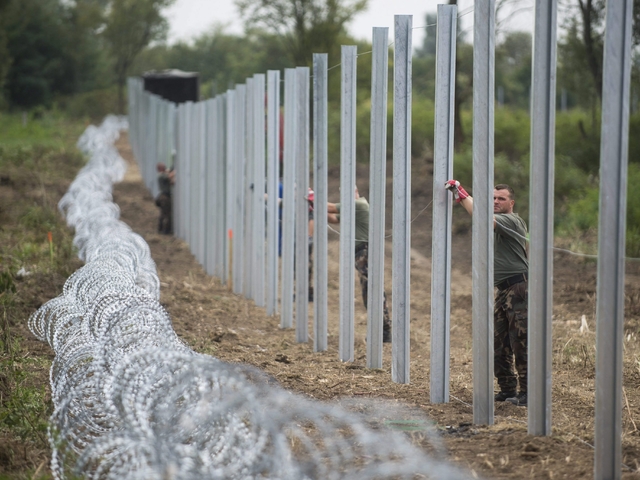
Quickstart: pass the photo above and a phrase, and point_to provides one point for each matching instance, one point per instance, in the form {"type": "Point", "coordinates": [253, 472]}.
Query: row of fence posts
{"type": "Point", "coordinates": [226, 159]}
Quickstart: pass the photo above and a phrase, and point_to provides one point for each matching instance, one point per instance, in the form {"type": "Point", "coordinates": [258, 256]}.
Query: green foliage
{"type": "Point", "coordinates": [18, 134]}
{"type": "Point", "coordinates": [131, 25]}
{"type": "Point", "coordinates": [36, 162]}
{"type": "Point", "coordinates": [46, 48]}
{"type": "Point", "coordinates": [26, 412]}
{"type": "Point", "coordinates": [305, 26]}
{"type": "Point", "coordinates": [222, 60]}
{"type": "Point", "coordinates": [422, 127]}
{"type": "Point", "coordinates": [512, 133]}
{"type": "Point", "coordinates": [6, 283]}
{"type": "Point", "coordinates": [93, 105]}
{"type": "Point", "coordinates": [513, 69]}
{"type": "Point", "coordinates": [578, 137]}
{"type": "Point", "coordinates": [582, 214]}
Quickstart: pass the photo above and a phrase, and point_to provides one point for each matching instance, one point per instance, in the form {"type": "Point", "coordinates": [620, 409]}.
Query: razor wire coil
{"type": "Point", "coordinates": [132, 400]}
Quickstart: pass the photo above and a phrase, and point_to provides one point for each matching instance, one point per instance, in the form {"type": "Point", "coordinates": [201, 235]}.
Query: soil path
{"type": "Point", "coordinates": [215, 321]}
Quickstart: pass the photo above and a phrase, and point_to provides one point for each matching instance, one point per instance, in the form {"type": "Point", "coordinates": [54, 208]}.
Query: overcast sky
{"type": "Point", "coordinates": [190, 18]}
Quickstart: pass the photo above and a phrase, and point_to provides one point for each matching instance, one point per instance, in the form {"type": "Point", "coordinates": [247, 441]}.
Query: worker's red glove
{"type": "Point", "coordinates": [454, 186]}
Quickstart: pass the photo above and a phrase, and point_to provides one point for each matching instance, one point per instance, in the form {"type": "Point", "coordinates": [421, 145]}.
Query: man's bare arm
{"type": "Point", "coordinates": [462, 197]}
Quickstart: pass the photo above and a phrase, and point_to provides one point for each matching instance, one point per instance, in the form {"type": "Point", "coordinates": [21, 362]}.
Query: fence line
{"type": "Point", "coordinates": [242, 146]}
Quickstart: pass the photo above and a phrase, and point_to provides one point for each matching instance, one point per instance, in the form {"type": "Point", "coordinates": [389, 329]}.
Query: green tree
{"type": "Point", "coordinates": [131, 25]}
{"type": "Point", "coordinates": [222, 59]}
{"type": "Point", "coordinates": [513, 68]}
{"type": "Point", "coordinates": [305, 26]}
{"type": "Point", "coordinates": [5, 58]}
{"type": "Point", "coordinates": [38, 43]}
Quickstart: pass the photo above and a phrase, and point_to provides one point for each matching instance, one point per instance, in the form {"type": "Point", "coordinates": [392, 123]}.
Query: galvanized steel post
{"type": "Point", "coordinates": [239, 191]}
{"type": "Point", "coordinates": [301, 205]}
{"type": "Point", "coordinates": [273, 175]}
{"type": "Point", "coordinates": [231, 168]}
{"type": "Point", "coordinates": [347, 201]}
{"type": "Point", "coordinates": [249, 191]}
{"type": "Point", "coordinates": [320, 158]}
{"type": "Point", "coordinates": [482, 237]}
{"type": "Point", "coordinates": [377, 193]}
{"type": "Point", "coordinates": [543, 115]}
{"type": "Point", "coordinates": [401, 261]}
{"type": "Point", "coordinates": [614, 151]}
{"type": "Point", "coordinates": [259, 176]}
{"type": "Point", "coordinates": [442, 202]}
{"type": "Point", "coordinates": [288, 198]}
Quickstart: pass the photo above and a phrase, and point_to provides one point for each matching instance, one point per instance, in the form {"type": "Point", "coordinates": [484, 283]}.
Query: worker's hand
{"type": "Point", "coordinates": [454, 186]}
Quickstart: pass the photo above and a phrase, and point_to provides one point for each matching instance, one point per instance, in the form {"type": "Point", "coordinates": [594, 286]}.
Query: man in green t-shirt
{"type": "Point", "coordinates": [510, 272]}
{"type": "Point", "coordinates": [362, 254]}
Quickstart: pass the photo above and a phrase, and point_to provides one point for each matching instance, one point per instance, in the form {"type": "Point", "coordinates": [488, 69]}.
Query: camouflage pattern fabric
{"type": "Point", "coordinates": [311, 264]}
{"type": "Point", "coordinates": [164, 222]}
{"type": "Point", "coordinates": [362, 266]}
{"type": "Point", "coordinates": [510, 320]}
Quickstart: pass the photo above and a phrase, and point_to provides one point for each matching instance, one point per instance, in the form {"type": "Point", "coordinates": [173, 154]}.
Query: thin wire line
{"type": "Point", "coordinates": [586, 255]}
{"type": "Point", "coordinates": [460, 15]}
{"type": "Point", "coordinates": [577, 254]}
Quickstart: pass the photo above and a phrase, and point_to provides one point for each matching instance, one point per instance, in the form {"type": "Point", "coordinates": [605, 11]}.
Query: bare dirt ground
{"type": "Point", "coordinates": [215, 321]}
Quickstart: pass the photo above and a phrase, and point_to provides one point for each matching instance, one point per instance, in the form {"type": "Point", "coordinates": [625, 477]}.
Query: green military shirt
{"type": "Point", "coordinates": [509, 247]}
{"type": "Point", "coordinates": [362, 221]}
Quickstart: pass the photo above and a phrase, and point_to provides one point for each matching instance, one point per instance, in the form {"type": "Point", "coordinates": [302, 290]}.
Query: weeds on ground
{"type": "Point", "coordinates": [36, 257]}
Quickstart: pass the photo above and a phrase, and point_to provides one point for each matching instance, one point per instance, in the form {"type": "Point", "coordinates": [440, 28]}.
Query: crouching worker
{"type": "Point", "coordinates": [166, 178]}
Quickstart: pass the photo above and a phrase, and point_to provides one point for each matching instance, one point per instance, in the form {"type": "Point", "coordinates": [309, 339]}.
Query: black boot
{"type": "Point", "coordinates": [386, 334]}
{"type": "Point", "coordinates": [519, 400]}
{"type": "Point", "coordinates": [504, 396]}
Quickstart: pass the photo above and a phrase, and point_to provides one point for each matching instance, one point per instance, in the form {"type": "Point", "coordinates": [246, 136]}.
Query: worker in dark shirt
{"type": "Point", "coordinates": [166, 178]}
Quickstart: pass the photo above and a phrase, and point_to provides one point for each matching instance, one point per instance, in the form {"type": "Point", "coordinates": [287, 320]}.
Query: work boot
{"type": "Point", "coordinates": [519, 400]}
{"type": "Point", "coordinates": [504, 396]}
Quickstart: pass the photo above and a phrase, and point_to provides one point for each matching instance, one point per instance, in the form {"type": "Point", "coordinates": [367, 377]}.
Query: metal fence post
{"type": "Point", "coordinates": [231, 167]}
{"type": "Point", "coordinates": [377, 193]}
{"type": "Point", "coordinates": [201, 218]}
{"type": "Point", "coordinates": [482, 237]}
{"type": "Point", "coordinates": [273, 175]}
{"type": "Point", "coordinates": [442, 203]}
{"type": "Point", "coordinates": [213, 213]}
{"type": "Point", "coordinates": [401, 262]}
{"type": "Point", "coordinates": [543, 114]}
{"type": "Point", "coordinates": [320, 157]}
{"type": "Point", "coordinates": [288, 197]}
{"type": "Point", "coordinates": [301, 205]}
{"type": "Point", "coordinates": [249, 192]}
{"type": "Point", "coordinates": [222, 264]}
{"type": "Point", "coordinates": [614, 151]}
{"type": "Point", "coordinates": [347, 201]}
{"type": "Point", "coordinates": [258, 188]}
{"type": "Point", "coordinates": [239, 189]}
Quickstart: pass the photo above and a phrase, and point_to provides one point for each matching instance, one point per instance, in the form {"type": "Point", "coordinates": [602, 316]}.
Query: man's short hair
{"type": "Point", "coordinates": [504, 186]}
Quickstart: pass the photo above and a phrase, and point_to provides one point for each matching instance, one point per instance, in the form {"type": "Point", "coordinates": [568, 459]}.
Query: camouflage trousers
{"type": "Point", "coordinates": [510, 318]}
{"type": "Point", "coordinates": [164, 222]}
{"type": "Point", "coordinates": [362, 266]}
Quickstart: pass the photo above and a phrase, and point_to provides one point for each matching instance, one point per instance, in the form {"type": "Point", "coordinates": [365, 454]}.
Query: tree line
{"type": "Point", "coordinates": [78, 53]}
{"type": "Point", "coordinates": [64, 47]}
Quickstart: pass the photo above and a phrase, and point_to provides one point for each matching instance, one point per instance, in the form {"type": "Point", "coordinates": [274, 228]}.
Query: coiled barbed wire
{"type": "Point", "coordinates": [131, 400]}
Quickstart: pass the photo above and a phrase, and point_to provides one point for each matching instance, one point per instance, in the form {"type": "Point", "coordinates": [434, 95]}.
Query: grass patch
{"type": "Point", "coordinates": [42, 129]}
{"type": "Point", "coordinates": [38, 161]}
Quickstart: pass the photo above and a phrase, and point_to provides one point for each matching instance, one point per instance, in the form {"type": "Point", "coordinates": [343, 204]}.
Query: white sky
{"type": "Point", "coordinates": [190, 18]}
